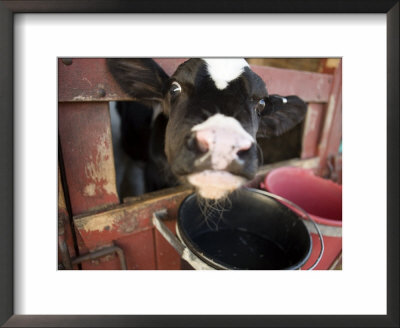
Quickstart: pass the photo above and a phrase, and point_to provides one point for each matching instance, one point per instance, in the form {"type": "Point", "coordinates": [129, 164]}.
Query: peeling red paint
{"type": "Point", "coordinates": [311, 87]}
{"type": "Point", "coordinates": [332, 130]}
{"type": "Point", "coordinates": [82, 80]}
{"type": "Point", "coordinates": [126, 222]}
{"type": "Point", "coordinates": [312, 130]}
{"type": "Point", "coordinates": [85, 137]}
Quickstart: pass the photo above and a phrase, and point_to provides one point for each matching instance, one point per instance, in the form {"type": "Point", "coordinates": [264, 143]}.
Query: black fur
{"type": "Point", "coordinates": [171, 153]}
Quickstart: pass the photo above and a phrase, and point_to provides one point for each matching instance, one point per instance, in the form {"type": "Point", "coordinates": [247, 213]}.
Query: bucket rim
{"type": "Point", "coordinates": [222, 265]}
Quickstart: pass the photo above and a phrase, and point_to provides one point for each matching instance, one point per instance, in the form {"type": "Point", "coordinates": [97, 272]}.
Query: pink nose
{"type": "Point", "coordinates": [221, 138]}
{"type": "Point", "coordinates": [211, 139]}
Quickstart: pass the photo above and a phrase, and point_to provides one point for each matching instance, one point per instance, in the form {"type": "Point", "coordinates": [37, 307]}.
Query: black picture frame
{"type": "Point", "coordinates": [7, 11]}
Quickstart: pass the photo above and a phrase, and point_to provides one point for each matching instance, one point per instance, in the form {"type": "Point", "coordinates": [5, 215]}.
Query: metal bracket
{"type": "Point", "coordinates": [68, 262]}
{"type": "Point", "coordinates": [182, 250]}
{"type": "Point", "coordinates": [101, 253]}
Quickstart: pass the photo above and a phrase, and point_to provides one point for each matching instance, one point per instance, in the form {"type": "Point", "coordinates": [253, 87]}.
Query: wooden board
{"type": "Point", "coordinates": [311, 87]}
{"type": "Point", "coordinates": [87, 79]}
{"type": "Point", "coordinates": [65, 234]}
{"type": "Point", "coordinates": [129, 227]}
{"type": "Point", "coordinates": [85, 138]}
{"type": "Point", "coordinates": [332, 129]}
{"type": "Point", "coordinates": [312, 130]}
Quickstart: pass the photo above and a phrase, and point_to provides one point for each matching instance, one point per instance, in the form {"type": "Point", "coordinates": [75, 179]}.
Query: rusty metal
{"type": "Point", "coordinates": [101, 253]}
{"type": "Point", "coordinates": [65, 256]}
{"type": "Point", "coordinates": [67, 61]}
{"type": "Point", "coordinates": [101, 93]}
{"type": "Point", "coordinates": [165, 232]}
{"type": "Point", "coordinates": [181, 249]}
{"type": "Point", "coordinates": [66, 242]}
{"type": "Point", "coordinates": [62, 245]}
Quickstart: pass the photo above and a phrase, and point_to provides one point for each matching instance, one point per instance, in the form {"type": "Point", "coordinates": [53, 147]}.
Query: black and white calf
{"type": "Point", "coordinates": [211, 111]}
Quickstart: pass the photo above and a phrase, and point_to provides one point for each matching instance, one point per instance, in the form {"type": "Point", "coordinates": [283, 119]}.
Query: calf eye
{"type": "Point", "coordinates": [260, 106]}
{"type": "Point", "coordinates": [175, 89]}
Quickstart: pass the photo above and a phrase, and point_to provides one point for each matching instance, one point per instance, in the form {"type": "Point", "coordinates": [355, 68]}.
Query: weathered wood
{"type": "Point", "coordinates": [329, 65]}
{"type": "Point", "coordinates": [139, 249]}
{"type": "Point", "coordinates": [335, 135]}
{"type": "Point", "coordinates": [126, 219]}
{"type": "Point", "coordinates": [65, 235]}
{"type": "Point", "coordinates": [154, 196]}
{"type": "Point", "coordinates": [312, 130]}
{"type": "Point", "coordinates": [87, 79]}
{"type": "Point", "coordinates": [85, 138]}
{"type": "Point", "coordinates": [169, 65]}
{"type": "Point", "coordinates": [332, 130]}
{"type": "Point", "coordinates": [300, 64]}
{"type": "Point", "coordinates": [85, 141]}
{"type": "Point", "coordinates": [311, 87]}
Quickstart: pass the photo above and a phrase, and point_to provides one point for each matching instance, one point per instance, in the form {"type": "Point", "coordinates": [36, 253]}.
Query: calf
{"type": "Point", "coordinates": [211, 111]}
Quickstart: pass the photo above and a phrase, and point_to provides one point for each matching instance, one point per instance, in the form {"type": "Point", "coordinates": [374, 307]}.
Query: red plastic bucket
{"type": "Point", "coordinates": [320, 198]}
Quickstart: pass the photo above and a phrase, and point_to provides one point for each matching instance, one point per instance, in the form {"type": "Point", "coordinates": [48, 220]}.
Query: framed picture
{"type": "Point", "coordinates": [34, 35]}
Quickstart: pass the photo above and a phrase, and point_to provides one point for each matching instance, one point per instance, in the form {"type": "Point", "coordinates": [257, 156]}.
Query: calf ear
{"type": "Point", "coordinates": [280, 115]}
{"type": "Point", "coordinates": [140, 78]}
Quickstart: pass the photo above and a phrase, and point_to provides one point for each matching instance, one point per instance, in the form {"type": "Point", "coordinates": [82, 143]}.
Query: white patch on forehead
{"type": "Point", "coordinates": [224, 70]}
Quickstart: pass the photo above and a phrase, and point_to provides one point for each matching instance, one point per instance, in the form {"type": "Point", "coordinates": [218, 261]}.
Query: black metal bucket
{"type": "Point", "coordinates": [251, 231]}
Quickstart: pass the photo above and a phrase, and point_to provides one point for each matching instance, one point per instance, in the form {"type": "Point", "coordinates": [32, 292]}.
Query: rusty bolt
{"type": "Point", "coordinates": [101, 92]}
{"type": "Point", "coordinates": [67, 61]}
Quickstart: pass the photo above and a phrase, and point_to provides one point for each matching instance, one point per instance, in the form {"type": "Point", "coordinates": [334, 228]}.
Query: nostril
{"type": "Point", "coordinates": [203, 139]}
{"type": "Point", "coordinates": [195, 144]}
{"type": "Point", "coordinates": [191, 142]}
{"type": "Point", "coordinates": [242, 153]}
{"type": "Point", "coordinates": [244, 149]}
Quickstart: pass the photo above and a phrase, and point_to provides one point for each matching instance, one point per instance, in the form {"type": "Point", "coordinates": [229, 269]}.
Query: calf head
{"type": "Point", "coordinates": [215, 110]}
